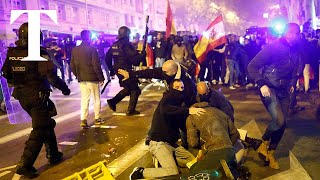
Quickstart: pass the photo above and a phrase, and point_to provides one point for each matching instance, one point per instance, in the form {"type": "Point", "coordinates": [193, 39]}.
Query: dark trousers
{"type": "Point", "coordinates": [278, 107]}
{"type": "Point", "coordinates": [130, 88]}
{"type": "Point", "coordinates": [211, 160]}
{"type": "Point", "coordinates": [69, 70]}
{"type": "Point", "coordinates": [205, 65]}
{"type": "Point", "coordinates": [43, 130]}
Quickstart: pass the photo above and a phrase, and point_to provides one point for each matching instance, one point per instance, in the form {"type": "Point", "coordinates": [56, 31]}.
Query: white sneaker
{"type": "Point", "coordinates": [220, 82]}
{"type": "Point", "coordinates": [232, 87]}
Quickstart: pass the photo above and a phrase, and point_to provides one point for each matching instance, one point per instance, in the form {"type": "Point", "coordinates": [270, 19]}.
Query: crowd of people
{"type": "Point", "coordinates": [203, 120]}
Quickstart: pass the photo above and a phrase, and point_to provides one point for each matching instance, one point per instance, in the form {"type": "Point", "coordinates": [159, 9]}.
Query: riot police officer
{"type": "Point", "coordinates": [31, 81]}
{"type": "Point", "coordinates": [125, 55]}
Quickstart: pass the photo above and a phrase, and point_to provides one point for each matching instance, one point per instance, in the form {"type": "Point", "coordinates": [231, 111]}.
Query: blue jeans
{"type": "Point", "coordinates": [278, 107]}
{"type": "Point", "coordinates": [234, 71]}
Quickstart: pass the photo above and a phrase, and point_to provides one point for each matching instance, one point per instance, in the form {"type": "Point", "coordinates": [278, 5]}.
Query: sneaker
{"type": "Point", "coordinates": [220, 83]}
{"type": "Point", "coordinates": [84, 124]}
{"type": "Point", "coordinates": [232, 87]}
{"type": "Point", "coordinates": [137, 173]}
{"type": "Point", "coordinates": [29, 173]}
{"type": "Point", "coordinates": [112, 106]}
{"type": "Point", "coordinates": [55, 159]}
{"type": "Point", "coordinates": [237, 85]}
{"type": "Point", "coordinates": [135, 112]}
{"type": "Point", "coordinates": [214, 82]}
{"type": "Point", "coordinates": [250, 85]}
{"type": "Point", "coordinates": [99, 121]}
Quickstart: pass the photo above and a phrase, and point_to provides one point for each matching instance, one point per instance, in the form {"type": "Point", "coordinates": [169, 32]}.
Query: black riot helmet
{"type": "Point", "coordinates": [23, 31]}
{"type": "Point", "coordinates": [23, 34]}
{"type": "Point", "coordinates": [124, 32]}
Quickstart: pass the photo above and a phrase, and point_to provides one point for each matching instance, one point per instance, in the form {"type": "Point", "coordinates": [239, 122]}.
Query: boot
{"type": "Point", "coordinates": [263, 150]}
{"type": "Point", "coordinates": [133, 103]}
{"type": "Point", "coordinates": [132, 113]}
{"type": "Point", "coordinates": [112, 106]}
{"type": "Point", "coordinates": [28, 172]}
{"type": "Point", "coordinates": [29, 156]}
{"type": "Point", "coordinates": [273, 162]}
{"type": "Point", "coordinates": [53, 154]}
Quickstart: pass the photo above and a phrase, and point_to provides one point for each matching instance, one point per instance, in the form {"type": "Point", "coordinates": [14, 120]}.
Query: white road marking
{"type": "Point", "coordinates": [104, 127]}
{"type": "Point", "coordinates": [123, 162]}
{"type": "Point", "coordinates": [147, 87]}
{"type": "Point", "coordinates": [124, 114]}
{"type": "Point", "coordinates": [3, 117]}
{"type": "Point", "coordinates": [7, 168]}
{"type": "Point", "coordinates": [4, 173]}
{"type": "Point", "coordinates": [68, 143]}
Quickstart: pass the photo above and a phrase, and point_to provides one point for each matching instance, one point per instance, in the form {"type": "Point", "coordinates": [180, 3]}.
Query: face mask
{"type": "Point", "coordinates": [176, 94]}
{"type": "Point", "coordinates": [205, 97]}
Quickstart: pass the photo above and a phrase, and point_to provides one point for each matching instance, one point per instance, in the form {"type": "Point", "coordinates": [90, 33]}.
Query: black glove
{"type": "Point", "coordinates": [66, 92]}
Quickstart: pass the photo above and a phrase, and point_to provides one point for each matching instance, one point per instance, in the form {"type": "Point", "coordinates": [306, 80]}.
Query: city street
{"type": "Point", "coordinates": [298, 152]}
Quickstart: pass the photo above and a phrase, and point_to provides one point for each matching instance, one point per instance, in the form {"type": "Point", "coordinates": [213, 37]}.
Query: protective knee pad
{"type": "Point", "coordinates": [52, 123]}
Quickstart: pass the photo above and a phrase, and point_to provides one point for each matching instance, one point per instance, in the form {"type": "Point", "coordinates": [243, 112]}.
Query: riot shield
{"type": "Point", "coordinates": [15, 112]}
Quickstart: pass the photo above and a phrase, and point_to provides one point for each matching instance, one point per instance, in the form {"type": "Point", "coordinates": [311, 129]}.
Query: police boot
{"type": "Point", "coordinates": [28, 172]}
{"type": "Point", "coordinates": [272, 160]}
{"type": "Point", "coordinates": [133, 103]}
{"type": "Point", "coordinates": [53, 155]}
{"type": "Point", "coordinates": [115, 100]}
{"type": "Point", "coordinates": [29, 156]}
{"type": "Point", "coordinates": [263, 150]}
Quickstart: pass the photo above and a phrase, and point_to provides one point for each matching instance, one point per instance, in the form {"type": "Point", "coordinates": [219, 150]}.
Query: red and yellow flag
{"type": "Point", "coordinates": [214, 36]}
{"type": "Point", "coordinates": [169, 22]}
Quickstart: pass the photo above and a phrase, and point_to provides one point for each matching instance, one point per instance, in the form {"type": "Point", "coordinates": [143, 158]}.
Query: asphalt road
{"type": "Point", "coordinates": [298, 152]}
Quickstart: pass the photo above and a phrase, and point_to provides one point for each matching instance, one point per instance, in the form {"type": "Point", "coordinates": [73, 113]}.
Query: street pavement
{"type": "Point", "coordinates": [298, 152]}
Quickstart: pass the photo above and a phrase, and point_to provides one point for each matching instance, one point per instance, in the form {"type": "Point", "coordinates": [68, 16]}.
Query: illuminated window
{"type": "Point", "coordinates": [17, 4]}
{"type": "Point", "coordinates": [75, 13]}
{"type": "Point", "coordinates": [61, 10]}
{"type": "Point", "coordinates": [90, 16]}
{"type": "Point", "coordinates": [44, 4]}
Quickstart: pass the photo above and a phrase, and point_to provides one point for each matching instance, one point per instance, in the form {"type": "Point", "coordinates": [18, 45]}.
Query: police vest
{"type": "Point", "coordinates": [24, 72]}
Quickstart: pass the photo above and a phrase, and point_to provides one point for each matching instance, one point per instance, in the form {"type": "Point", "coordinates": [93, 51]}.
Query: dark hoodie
{"type": "Point", "coordinates": [168, 117]}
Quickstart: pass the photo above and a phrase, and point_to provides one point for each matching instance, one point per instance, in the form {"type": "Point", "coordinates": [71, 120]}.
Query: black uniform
{"type": "Point", "coordinates": [31, 81]}
{"type": "Point", "coordinates": [125, 55]}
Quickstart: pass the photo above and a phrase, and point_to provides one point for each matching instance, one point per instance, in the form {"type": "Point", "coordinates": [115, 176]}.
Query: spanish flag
{"type": "Point", "coordinates": [214, 36]}
{"type": "Point", "coordinates": [169, 22]}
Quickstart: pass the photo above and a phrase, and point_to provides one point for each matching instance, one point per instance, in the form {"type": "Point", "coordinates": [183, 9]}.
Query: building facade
{"type": "Point", "coordinates": [105, 16]}
{"type": "Point", "coordinates": [303, 10]}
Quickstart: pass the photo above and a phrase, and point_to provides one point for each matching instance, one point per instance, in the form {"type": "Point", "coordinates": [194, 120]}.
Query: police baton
{"type": "Point", "coordinates": [104, 87]}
